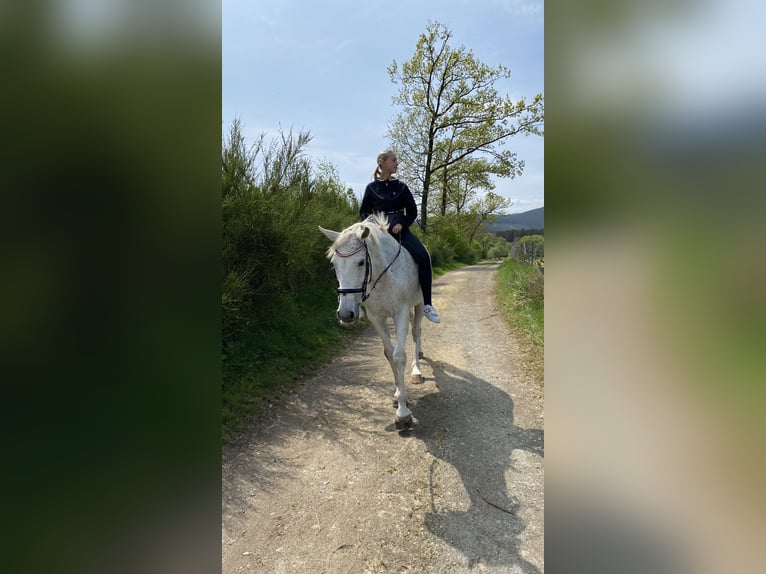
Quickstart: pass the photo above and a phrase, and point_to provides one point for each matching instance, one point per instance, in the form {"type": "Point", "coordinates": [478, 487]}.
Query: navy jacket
{"type": "Point", "coordinates": [391, 197]}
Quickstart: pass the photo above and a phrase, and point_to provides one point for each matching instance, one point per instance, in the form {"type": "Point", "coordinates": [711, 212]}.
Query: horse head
{"type": "Point", "coordinates": [350, 259]}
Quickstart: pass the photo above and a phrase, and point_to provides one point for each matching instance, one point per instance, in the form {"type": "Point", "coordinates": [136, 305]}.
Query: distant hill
{"type": "Point", "coordinates": [532, 219]}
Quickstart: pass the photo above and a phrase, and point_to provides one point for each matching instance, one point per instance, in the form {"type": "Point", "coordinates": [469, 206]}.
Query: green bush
{"type": "Point", "coordinates": [498, 251]}
{"type": "Point", "coordinates": [441, 255]}
{"type": "Point", "coordinates": [493, 246]}
{"type": "Point", "coordinates": [449, 242]}
{"type": "Point", "coordinates": [235, 295]}
{"type": "Point", "coordinates": [277, 290]}
{"type": "Point", "coordinates": [273, 199]}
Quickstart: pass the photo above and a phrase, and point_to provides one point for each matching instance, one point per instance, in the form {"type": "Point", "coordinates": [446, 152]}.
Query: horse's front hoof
{"type": "Point", "coordinates": [417, 379]}
{"type": "Point", "coordinates": [404, 424]}
{"type": "Point", "coordinates": [396, 404]}
{"type": "Point", "coordinates": [421, 355]}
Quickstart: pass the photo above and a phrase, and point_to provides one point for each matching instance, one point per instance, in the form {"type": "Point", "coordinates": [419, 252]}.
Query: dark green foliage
{"type": "Point", "coordinates": [448, 242]}
{"type": "Point", "coordinates": [278, 292]}
{"type": "Point", "coordinates": [273, 199]}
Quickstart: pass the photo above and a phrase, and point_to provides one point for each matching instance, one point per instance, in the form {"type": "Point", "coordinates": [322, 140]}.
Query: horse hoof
{"type": "Point", "coordinates": [396, 404]}
{"type": "Point", "coordinates": [421, 355]}
{"type": "Point", "coordinates": [417, 379]}
{"type": "Point", "coordinates": [404, 424]}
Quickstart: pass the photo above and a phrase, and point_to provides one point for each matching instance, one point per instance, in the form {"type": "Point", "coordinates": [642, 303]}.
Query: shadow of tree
{"type": "Point", "coordinates": [452, 424]}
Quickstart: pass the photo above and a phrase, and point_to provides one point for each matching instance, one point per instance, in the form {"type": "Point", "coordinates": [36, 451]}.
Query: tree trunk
{"type": "Point", "coordinates": [444, 193]}
{"type": "Point", "coordinates": [427, 182]}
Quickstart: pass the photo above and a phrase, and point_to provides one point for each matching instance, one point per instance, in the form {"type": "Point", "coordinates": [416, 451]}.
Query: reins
{"type": "Point", "coordinates": [367, 270]}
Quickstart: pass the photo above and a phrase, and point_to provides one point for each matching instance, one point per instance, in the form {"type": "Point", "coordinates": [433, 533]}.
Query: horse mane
{"type": "Point", "coordinates": [377, 223]}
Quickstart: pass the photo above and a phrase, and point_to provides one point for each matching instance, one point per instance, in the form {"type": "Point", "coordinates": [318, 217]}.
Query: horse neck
{"type": "Point", "coordinates": [383, 251]}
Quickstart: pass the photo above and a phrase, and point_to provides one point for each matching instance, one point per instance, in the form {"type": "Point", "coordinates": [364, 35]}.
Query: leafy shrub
{"type": "Point", "coordinates": [235, 294]}
{"type": "Point", "coordinates": [273, 199]}
{"type": "Point", "coordinates": [441, 255]}
{"type": "Point", "coordinates": [449, 242]}
{"type": "Point", "coordinates": [498, 251]}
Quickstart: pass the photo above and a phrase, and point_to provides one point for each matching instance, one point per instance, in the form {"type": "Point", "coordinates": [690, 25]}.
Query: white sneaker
{"type": "Point", "coordinates": [430, 313]}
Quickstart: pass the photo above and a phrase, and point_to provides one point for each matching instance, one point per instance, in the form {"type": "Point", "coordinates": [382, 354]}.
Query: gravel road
{"type": "Point", "coordinates": [325, 483]}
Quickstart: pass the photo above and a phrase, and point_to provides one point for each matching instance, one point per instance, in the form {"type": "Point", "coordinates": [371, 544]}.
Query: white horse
{"type": "Point", "coordinates": [376, 272]}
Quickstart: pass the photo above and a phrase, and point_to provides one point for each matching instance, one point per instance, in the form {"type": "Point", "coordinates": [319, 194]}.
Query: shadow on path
{"type": "Point", "coordinates": [453, 424]}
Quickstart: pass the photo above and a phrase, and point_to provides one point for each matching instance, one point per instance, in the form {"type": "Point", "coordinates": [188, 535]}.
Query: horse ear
{"type": "Point", "coordinates": [331, 235]}
{"type": "Point", "coordinates": [365, 233]}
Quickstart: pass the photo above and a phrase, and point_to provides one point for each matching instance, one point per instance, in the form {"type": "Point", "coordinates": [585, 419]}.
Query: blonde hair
{"type": "Point", "coordinates": [382, 156]}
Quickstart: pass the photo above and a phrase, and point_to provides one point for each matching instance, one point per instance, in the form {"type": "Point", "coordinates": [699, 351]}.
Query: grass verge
{"type": "Point", "coordinates": [288, 337]}
{"type": "Point", "coordinates": [520, 293]}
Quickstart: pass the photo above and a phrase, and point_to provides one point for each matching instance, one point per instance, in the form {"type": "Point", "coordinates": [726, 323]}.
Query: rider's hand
{"type": "Point", "coordinates": [396, 228]}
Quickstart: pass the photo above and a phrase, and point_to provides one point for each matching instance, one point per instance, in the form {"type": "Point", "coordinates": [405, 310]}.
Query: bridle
{"type": "Point", "coordinates": [367, 271]}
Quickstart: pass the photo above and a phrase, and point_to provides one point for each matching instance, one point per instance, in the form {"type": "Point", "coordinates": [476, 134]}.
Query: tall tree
{"type": "Point", "coordinates": [459, 186]}
{"type": "Point", "coordinates": [484, 209]}
{"type": "Point", "coordinates": [452, 113]}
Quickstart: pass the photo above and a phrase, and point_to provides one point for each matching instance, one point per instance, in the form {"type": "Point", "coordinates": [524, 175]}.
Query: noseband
{"type": "Point", "coordinates": [367, 271]}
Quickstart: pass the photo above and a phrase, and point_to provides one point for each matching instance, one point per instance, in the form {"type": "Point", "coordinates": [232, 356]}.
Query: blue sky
{"type": "Point", "coordinates": [321, 68]}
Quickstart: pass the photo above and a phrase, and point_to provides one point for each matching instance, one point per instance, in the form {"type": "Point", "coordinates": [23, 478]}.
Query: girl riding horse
{"type": "Point", "coordinates": [389, 195]}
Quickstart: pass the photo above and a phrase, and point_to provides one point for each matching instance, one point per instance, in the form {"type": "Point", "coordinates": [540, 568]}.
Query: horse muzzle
{"type": "Point", "coordinates": [348, 317]}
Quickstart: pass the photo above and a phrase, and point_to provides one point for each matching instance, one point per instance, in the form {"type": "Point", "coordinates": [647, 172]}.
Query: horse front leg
{"type": "Point", "coordinates": [416, 318]}
{"type": "Point", "coordinates": [403, 413]}
{"type": "Point", "coordinates": [379, 323]}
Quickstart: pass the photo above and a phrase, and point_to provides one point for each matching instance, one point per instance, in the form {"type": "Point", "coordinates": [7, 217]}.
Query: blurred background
{"type": "Point", "coordinates": [110, 289]}
{"type": "Point", "coordinates": [655, 285]}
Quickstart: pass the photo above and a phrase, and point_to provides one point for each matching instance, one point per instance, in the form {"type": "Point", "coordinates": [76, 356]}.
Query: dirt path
{"type": "Point", "coordinates": [326, 484]}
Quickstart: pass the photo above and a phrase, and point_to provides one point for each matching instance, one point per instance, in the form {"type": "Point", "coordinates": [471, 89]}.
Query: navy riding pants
{"type": "Point", "coordinates": [421, 256]}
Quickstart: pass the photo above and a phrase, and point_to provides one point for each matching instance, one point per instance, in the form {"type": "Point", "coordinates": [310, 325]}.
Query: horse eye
{"type": "Point", "coordinates": [361, 263]}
